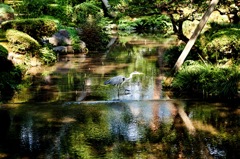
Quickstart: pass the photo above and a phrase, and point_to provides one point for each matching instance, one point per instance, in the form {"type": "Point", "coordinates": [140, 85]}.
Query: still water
{"type": "Point", "coordinates": [65, 111]}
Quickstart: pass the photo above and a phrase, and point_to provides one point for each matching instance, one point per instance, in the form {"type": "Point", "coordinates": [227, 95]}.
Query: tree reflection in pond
{"type": "Point", "coordinates": [131, 129]}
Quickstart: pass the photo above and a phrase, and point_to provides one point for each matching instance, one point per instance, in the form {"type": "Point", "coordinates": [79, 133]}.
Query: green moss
{"type": "Point", "coordinates": [21, 42]}
{"type": "Point", "coordinates": [36, 28]}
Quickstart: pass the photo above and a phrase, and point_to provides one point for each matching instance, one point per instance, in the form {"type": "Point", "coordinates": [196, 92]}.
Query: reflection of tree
{"type": "Point", "coordinates": [90, 135]}
{"type": "Point", "coordinates": [189, 144]}
{"type": "Point", "coordinates": [121, 130]}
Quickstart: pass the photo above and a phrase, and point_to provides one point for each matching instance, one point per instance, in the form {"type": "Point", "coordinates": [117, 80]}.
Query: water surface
{"type": "Point", "coordinates": [65, 111]}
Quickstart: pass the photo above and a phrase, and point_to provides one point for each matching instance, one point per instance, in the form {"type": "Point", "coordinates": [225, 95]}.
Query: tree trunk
{"type": "Point", "coordinates": [177, 29]}
{"type": "Point", "coordinates": [194, 36]}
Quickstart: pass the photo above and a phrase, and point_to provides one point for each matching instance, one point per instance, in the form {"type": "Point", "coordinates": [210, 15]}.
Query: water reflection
{"type": "Point", "coordinates": [81, 77]}
{"type": "Point", "coordinates": [130, 129]}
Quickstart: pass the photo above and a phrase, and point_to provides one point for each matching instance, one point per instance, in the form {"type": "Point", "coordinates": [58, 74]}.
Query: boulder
{"type": "Point", "coordinates": [61, 38]}
{"type": "Point", "coordinates": [62, 43]}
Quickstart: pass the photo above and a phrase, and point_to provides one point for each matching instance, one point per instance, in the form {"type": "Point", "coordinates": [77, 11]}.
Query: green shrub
{"type": "Point", "coordinates": [64, 13]}
{"type": "Point", "coordinates": [10, 76]}
{"type": "Point", "coordinates": [172, 54]}
{"type": "Point", "coordinates": [3, 52]}
{"type": "Point", "coordinates": [221, 42]}
{"type": "Point", "coordinates": [32, 8]}
{"type": "Point", "coordinates": [47, 55]}
{"type": "Point", "coordinates": [94, 37]}
{"type": "Point", "coordinates": [208, 80]}
{"type": "Point", "coordinates": [83, 11]}
{"type": "Point", "coordinates": [145, 23]}
{"type": "Point", "coordinates": [39, 8]}
{"type": "Point", "coordinates": [21, 42]}
{"type": "Point", "coordinates": [36, 28]}
{"type": "Point", "coordinates": [9, 80]}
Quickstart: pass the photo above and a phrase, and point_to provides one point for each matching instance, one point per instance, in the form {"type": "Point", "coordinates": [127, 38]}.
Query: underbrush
{"type": "Point", "coordinates": [207, 80]}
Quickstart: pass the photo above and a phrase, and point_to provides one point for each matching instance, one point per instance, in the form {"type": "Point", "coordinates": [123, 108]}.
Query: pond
{"type": "Point", "coordinates": [67, 112]}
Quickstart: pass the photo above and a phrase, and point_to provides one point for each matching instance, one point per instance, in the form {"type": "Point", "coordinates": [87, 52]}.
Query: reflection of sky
{"type": "Point", "coordinates": [129, 121]}
{"type": "Point", "coordinates": [29, 140]}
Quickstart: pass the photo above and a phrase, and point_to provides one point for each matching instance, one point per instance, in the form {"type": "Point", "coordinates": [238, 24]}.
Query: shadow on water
{"type": "Point", "coordinates": [67, 112]}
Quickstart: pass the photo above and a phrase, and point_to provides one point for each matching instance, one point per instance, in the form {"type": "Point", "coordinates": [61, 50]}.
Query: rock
{"type": "Point", "coordinates": [60, 49]}
{"type": "Point", "coordinates": [61, 38]}
{"type": "Point", "coordinates": [63, 44]}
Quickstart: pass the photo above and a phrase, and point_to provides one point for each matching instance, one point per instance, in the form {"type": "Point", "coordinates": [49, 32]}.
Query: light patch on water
{"type": "Point", "coordinates": [62, 120]}
{"type": "Point", "coordinates": [215, 151]}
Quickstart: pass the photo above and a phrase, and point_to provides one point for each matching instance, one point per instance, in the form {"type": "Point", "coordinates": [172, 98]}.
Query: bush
{"type": "Point", "coordinates": [145, 23]}
{"type": "Point", "coordinates": [32, 8]}
{"type": "Point", "coordinates": [9, 80]}
{"type": "Point", "coordinates": [36, 28]}
{"type": "Point", "coordinates": [21, 42]}
{"type": "Point", "coordinates": [64, 13]}
{"type": "Point", "coordinates": [209, 80]}
{"type": "Point", "coordinates": [3, 52]}
{"type": "Point", "coordinates": [82, 11]}
{"type": "Point", "coordinates": [172, 54]}
{"type": "Point", "coordinates": [221, 42]}
{"type": "Point", "coordinates": [39, 8]}
{"type": "Point", "coordinates": [10, 76]}
{"type": "Point", "coordinates": [47, 55]}
{"type": "Point", "coordinates": [94, 37]}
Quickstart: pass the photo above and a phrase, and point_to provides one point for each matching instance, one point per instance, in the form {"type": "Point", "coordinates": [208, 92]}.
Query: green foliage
{"type": "Point", "coordinates": [39, 8]}
{"type": "Point", "coordinates": [91, 135]}
{"type": "Point", "coordinates": [220, 42]}
{"type": "Point", "coordinates": [4, 8]}
{"type": "Point", "coordinates": [3, 52]}
{"type": "Point", "coordinates": [33, 27]}
{"type": "Point", "coordinates": [47, 55]}
{"type": "Point", "coordinates": [32, 8]}
{"type": "Point", "coordinates": [83, 10]}
{"type": "Point", "coordinates": [10, 77]}
{"type": "Point", "coordinates": [21, 42]}
{"type": "Point", "coordinates": [94, 37]}
{"type": "Point", "coordinates": [209, 80]}
{"type": "Point", "coordinates": [144, 23]}
{"type": "Point", "coordinates": [64, 13]}
{"type": "Point", "coordinates": [75, 39]}
{"type": "Point", "coordinates": [172, 54]}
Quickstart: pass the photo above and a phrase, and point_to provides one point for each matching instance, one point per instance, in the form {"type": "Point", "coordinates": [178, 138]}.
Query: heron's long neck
{"type": "Point", "coordinates": [131, 75]}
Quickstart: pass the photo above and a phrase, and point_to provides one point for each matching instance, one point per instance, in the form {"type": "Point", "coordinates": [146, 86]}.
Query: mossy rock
{"type": "Point", "coordinates": [21, 42]}
{"type": "Point", "coordinates": [3, 51]}
{"type": "Point", "coordinates": [36, 28]}
{"type": "Point", "coordinates": [6, 13]}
